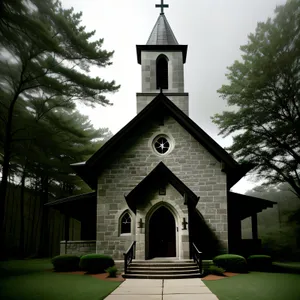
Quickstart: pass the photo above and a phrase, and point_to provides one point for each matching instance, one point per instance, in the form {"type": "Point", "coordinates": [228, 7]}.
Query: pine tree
{"type": "Point", "coordinates": [264, 92]}
{"type": "Point", "coordinates": [46, 55]}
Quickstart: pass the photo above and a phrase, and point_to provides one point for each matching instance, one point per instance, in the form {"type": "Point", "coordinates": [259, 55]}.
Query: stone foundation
{"type": "Point", "coordinates": [78, 247]}
{"type": "Point", "coordinates": [120, 266]}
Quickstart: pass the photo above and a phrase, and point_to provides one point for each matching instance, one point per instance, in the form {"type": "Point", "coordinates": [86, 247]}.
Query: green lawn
{"type": "Point", "coordinates": [257, 286]}
{"type": "Point", "coordinates": [30, 279]}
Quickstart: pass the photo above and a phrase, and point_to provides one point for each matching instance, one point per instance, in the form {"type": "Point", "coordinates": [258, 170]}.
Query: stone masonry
{"type": "Point", "coordinates": [78, 247]}
{"type": "Point", "coordinates": [175, 91]}
{"type": "Point", "coordinates": [188, 160]}
{"type": "Point", "coordinates": [175, 203]}
{"type": "Point", "coordinates": [175, 68]}
{"type": "Point", "coordinates": [181, 100]}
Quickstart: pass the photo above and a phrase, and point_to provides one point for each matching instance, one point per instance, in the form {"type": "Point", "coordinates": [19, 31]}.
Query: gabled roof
{"type": "Point", "coordinates": [158, 177]}
{"type": "Point", "coordinates": [162, 33]}
{"type": "Point", "coordinates": [159, 106]}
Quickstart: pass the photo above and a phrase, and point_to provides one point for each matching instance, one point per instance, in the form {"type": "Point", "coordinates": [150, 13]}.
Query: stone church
{"type": "Point", "coordinates": [161, 181]}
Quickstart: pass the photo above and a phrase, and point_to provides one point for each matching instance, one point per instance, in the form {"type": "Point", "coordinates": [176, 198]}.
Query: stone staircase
{"type": "Point", "coordinates": [162, 269]}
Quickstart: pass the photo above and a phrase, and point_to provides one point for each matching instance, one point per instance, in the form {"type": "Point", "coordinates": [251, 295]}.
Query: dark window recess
{"type": "Point", "coordinates": [126, 223]}
{"type": "Point", "coordinates": [162, 81]}
{"type": "Point", "coordinates": [162, 191]}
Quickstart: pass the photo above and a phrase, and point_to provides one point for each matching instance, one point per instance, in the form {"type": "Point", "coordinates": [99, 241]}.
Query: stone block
{"type": "Point", "coordinates": [185, 238]}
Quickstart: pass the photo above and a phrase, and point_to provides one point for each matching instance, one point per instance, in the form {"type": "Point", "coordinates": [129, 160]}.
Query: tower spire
{"type": "Point", "coordinates": [162, 6]}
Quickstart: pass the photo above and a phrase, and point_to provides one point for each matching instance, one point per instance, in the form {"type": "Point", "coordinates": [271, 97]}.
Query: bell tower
{"type": "Point", "coordinates": [162, 60]}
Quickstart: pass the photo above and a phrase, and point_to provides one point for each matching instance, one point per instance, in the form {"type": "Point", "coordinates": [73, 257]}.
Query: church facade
{"type": "Point", "coordinates": [161, 180]}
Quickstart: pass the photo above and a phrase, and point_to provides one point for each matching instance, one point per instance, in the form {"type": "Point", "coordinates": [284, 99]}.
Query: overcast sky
{"type": "Point", "coordinates": [213, 30]}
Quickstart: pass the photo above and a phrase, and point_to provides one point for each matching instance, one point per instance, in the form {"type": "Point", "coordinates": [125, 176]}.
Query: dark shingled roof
{"type": "Point", "coordinates": [162, 33]}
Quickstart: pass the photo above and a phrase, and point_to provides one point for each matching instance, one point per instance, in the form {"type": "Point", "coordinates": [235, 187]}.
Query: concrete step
{"type": "Point", "coordinates": [163, 264]}
{"type": "Point", "coordinates": [164, 260]}
{"type": "Point", "coordinates": [162, 272]}
{"type": "Point", "coordinates": [161, 276]}
{"type": "Point", "coordinates": [163, 269]}
{"type": "Point", "coordinates": [174, 268]}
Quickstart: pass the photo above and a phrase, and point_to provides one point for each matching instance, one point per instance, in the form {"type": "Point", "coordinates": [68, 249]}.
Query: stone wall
{"type": "Point", "coordinates": [175, 71]}
{"type": "Point", "coordinates": [181, 100]}
{"type": "Point", "coordinates": [188, 160]}
{"type": "Point", "coordinates": [175, 91]}
{"type": "Point", "coordinates": [78, 247]}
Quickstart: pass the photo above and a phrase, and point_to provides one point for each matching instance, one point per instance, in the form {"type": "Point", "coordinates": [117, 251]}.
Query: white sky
{"type": "Point", "coordinates": [213, 30]}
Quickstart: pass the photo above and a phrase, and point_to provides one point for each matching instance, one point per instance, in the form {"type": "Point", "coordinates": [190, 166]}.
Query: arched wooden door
{"type": "Point", "coordinates": [162, 234]}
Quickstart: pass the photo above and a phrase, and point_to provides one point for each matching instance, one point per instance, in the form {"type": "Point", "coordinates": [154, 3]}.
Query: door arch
{"type": "Point", "coordinates": [162, 233]}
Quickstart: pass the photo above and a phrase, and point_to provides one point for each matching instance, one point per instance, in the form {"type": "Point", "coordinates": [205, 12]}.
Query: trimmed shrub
{"type": "Point", "coordinates": [95, 263]}
{"type": "Point", "coordinates": [112, 271]}
{"type": "Point", "coordinates": [231, 263]}
{"type": "Point", "coordinates": [216, 270]}
{"type": "Point", "coordinates": [286, 267]}
{"type": "Point", "coordinates": [65, 263]}
{"type": "Point", "coordinates": [260, 262]}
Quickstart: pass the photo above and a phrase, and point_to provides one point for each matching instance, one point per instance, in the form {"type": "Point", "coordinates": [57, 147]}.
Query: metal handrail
{"type": "Point", "coordinates": [197, 256]}
{"type": "Point", "coordinates": [129, 255]}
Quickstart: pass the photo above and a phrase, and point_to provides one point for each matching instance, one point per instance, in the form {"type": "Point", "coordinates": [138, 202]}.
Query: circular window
{"type": "Point", "coordinates": [161, 144]}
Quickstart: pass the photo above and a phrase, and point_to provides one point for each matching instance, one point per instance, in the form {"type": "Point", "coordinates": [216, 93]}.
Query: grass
{"type": "Point", "coordinates": [32, 279]}
{"type": "Point", "coordinates": [258, 286]}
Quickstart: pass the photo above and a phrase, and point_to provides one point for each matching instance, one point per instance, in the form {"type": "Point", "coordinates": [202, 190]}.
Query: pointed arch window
{"type": "Point", "coordinates": [162, 80]}
{"type": "Point", "coordinates": [125, 223]}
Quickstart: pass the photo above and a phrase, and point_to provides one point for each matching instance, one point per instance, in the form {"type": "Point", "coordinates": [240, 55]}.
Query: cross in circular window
{"type": "Point", "coordinates": [126, 223]}
{"type": "Point", "coordinates": [162, 145]}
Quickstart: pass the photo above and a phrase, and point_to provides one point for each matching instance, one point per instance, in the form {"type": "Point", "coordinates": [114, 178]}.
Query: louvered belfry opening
{"type": "Point", "coordinates": [162, 80]}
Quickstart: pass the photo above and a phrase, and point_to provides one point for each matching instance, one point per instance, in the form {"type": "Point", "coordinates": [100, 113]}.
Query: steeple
{"type": "Point", "coordinates": [162, 60]}
{"type": "Point", "coordinates": [162, 33]}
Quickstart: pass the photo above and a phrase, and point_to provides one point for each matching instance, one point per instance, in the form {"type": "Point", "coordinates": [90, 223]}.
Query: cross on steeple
{"type": "Point", "coordinates": [162, 6]}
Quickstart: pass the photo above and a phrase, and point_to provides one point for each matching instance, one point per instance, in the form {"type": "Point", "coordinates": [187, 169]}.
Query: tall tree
{"type": "Point", "coordinates": [45, 55]}
{"type": "Point", "coordinates": [264, 93]}
{"type": "Point", "coordinates": [70, 138]}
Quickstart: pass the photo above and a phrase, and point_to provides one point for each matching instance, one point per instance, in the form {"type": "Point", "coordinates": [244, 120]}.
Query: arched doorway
{"type": "Point", "coordinates": [162, 234]}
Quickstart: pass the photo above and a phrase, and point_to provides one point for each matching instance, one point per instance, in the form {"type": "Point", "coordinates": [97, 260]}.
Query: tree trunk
{"type": "Point", "coordinates": [5, 167]}
{"type": "Point", "coordinates": [36, 241]}
{"type": "Point", "coordinates": [27, 242]}
{"type": "Point", "coordinates": [33, 225]}
{"type": "Point", "coordinates": [53, 227]}
{"type": "Point", "coordinates": [14, 211]}
{"type": "Point", "coordinates": [22, 231]}
{"type": "Point", "coordinates": [44, 236]}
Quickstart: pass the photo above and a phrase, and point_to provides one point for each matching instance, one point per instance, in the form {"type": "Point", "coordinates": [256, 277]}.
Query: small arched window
{"type": "Point", "coordinates": [126, 223]}
{"type": "Point", "coordinates": [162, 81]}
